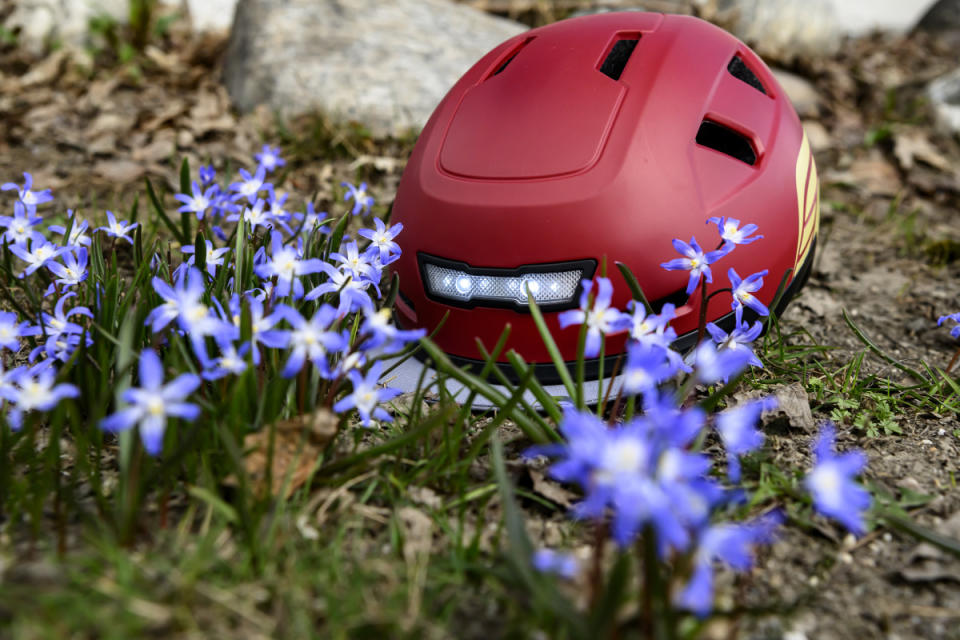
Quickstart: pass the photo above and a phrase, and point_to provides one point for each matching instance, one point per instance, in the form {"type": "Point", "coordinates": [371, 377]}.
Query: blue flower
{"type": "Point", "coordinates": [729, 543]}
{"type": "Point", "coordinates": [8, 380]}
{"type": "Point", "coordinates": [601, 319]}
{"type": "Point", "coordinates": [213, 258]}
{"type": "Point", "coordinates": [362, 201]}
{"type": "Point", "coordinates": [25, 195]}
{"type": "Point", "coordinates": [207, 175]}
{"type": "Point", "coordinates": [36, 391]}
{"type": "Point", "coordinates": [738, 432]}
{"type": "Point", "coordinates": [556, 563]}
{"type": "Point", "coordinates": [955, 331]}
{"type": "Point", "coordinates": [58, 324]}
{"type": "Point", "coordinates": [185, 305]}
{"type": "Point", "coordinates": [712, 365]}
{"type": "Point", "coordinates": [352, 290]}
{"type": "Point", "coordinates": [285, 264]}
{"type": "Point", "coordinates": [261, 326]}
{"type": "Point", "coordinates": [647, 366]}
{"type": "Point", "coordinates": [695, 261]}
{"type": "Point", "coordinates": [743, 291]}
{"type": "Point", "coordinates": [382, 239]}
{"type": "Point", "coordinates": [739, 339]}
{"type": "Point", "coordinates": [384, 337]}
{"type": "Point", "coordinates": [229, 362]}
{"type": "Point", "coordinates": [39, 254]}
{"type": "Point", "coordinates": [251, 185]}
{"type": "Point", "coordinates": [253, 216]}
{"type": "Point", "coordinates": [11, 331]}
{"type": "Point", "coordinates": [72, 272]}
{"type": "Point", "coordinates": [269, 158]}
{"type": "Point", "coordinates": [199, 201]}
{"type": "Point", "coordinates": [20, 226]}
{"type": "Point", "coordinates": [153, 402]}
{"type": "Point", "coordinates": [730, 234]}
{"type": "Point", "coordinates": [831, 484]}
{"type": "Point", "coordinates": [650, 329]}
{"type": "Point", "coordinates": [310, 339]}
{"type": "Point", "coordinates": [78, 236]}
{"type": "Point", "coordinates": [367, 395]}
{"type": "Point", "coordinates": [116, 229]}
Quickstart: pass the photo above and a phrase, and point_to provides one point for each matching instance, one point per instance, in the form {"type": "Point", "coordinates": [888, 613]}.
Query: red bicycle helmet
{"type": "Point", "coordinates": [600, 137]}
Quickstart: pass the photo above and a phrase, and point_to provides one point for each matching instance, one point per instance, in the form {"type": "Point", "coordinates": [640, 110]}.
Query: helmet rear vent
{"type": "Point", "coordinates": [739, 70]}
{"type": "Point", "coordinates": [727, 141]}
{"type": "Point", "coordinates": [617, 59]}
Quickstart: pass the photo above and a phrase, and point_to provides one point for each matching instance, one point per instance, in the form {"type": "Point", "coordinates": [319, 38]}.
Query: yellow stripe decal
{"type": "Point", "coordinates": [808, 202]}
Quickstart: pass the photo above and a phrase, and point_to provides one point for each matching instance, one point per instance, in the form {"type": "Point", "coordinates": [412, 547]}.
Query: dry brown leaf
{"type": "Point", "coordinates": [46, 71]}
{"type": "Point", "coordinates": [551, 490]}
{"type": "Point", "coordinates": [298, 443]}
{"type": "Point", "coordinates": [913, 145]}
{"type": "Point", "coordinates": [873, 176]}
{"type": "Point", "coordinates": [117, 124]}
{"type": "Point", "coordinates": [119, 171]}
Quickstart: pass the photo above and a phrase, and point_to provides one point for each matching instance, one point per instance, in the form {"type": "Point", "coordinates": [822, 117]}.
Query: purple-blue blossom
{"type": "Point", "coordinates": [38, 255]}
{"type": "Point", "coordinates": [694, 260]}
{"type": "Point", "coordinates": [601, 319]}
{"type": "Point", "coordinates": [743, 290]}
{"type": "Point", "coordinates": [286, 264]}
{"type": "Point", "coordinates": [153, 402]}
{"type": "Point", "coordinates": [739, 339]}
{"type": "Point", "coordinates": [732, 234]}
{"type": "Point", "coordinates": [310, 340]}
{"type": "Point", "coordinates": [269, 158]}
{"type": "Point", "coordinates": [250, 186]}
{"type": "Point", "coordinates": [118, 229]}
{"type": "Point", "coordinates": [713, 364]}
{"type": "Point", "coordinates": [382, 239]}
{"type": "Point", "coordinates": [199, 201]}
{"type": "Point", "coordinates": [362, 201]}
{"type": "Point", "coordinates": [955, 331]}
{"type": "Point", "coordinates": [36, 390]}
{"type": "Point", "coordinates": [738, 432]}
{"type": "Point", "coordinates": [29, 198]}
{"type": "Point", "coordinates": [78, 231]}
{"type": "Point", "coordinates": [11, 330]}
{"type": "Point", "coordinates": [831, 482]}
{"type": "Point", "coordinates": [366, 395]}
{"type": "Point", "coordinates": [20, 226]}
{"type": "Point", "coordinates": [555, 563]}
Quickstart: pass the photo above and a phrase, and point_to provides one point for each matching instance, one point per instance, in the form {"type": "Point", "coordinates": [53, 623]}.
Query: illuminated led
{"type": "Point", "coordinates": [464, 284]}
{"type": "Point", "coordinates": [547, 287]}
{"type": "Point", "coordinates": [534, 286]}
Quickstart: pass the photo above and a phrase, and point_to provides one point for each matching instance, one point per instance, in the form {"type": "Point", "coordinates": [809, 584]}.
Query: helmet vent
{"type": "Point", "coordinates": [513, 54]}
{"type": "Point", "coordinates": [739, 70]}
{"type": "Point", "coordinates": [617, 59]}
{"type": "Point", "coordinates": [727, 141]}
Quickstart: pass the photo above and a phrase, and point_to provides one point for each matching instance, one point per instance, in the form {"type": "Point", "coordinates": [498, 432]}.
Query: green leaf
{"type": "Point", "coordinates": [551, 345]}
{"type": "Point", "coordinates": [634, 286]}
{"type": "Point", "coordinates": [158, 208]}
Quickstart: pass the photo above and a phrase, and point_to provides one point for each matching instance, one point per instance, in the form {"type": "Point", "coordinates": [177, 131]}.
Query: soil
{"type": "Point", "coordinates": [889, 256]}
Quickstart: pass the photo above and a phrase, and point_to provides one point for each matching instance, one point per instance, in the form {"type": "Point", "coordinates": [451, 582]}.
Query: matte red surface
{"type": "Point", "coordinates": [551, 160]}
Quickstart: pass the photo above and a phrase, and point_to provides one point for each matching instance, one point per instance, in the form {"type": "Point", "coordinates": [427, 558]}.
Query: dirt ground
{"type": "Point", "coordinates": [889, 256]}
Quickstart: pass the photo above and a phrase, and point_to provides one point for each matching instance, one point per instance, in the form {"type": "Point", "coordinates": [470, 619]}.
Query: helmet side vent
{"type": "Point", "coordinates": [727, 141]}
{"type": "Point", "coordinates": [739, 70]}
{"type": "Point", "coordinates": [513, 54]}
{"type": "Point", "coordinates": [616, 60]}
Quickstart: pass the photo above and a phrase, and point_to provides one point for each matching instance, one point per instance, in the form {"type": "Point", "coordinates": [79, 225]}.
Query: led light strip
{"type": "Point", "coordinates": [546, 287]}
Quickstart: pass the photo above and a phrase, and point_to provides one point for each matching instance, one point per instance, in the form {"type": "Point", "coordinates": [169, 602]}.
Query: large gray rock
{"type": "Point", "coordinates": [383, 64]}
{"type": "Point", "coordinates": [943, 16]}
{"type": "Point", "coordinates": [944, 93]}
{"type": "Point", "coordinates": [42, 23]}
{"type": "Point", "coordinates": [787, 29]}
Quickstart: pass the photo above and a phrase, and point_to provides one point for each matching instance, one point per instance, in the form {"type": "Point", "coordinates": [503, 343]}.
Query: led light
{"type": "Point", "coordinates": [550, 287]}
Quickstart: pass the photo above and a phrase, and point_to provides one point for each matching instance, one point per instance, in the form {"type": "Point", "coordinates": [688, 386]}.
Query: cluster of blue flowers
{"type": "Point", "coordinates": [955, 331]}
{"type": "Point", "coordinates": [303, 305]}
{"type": "Point", "coordinates": [648, 474]}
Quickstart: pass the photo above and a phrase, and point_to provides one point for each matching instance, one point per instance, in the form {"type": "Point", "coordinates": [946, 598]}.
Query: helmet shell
{"type": "Point", "coordinates": [539, 156]}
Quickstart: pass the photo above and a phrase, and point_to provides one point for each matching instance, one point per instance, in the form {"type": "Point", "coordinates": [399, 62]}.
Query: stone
{"type": "Point", "coordinates": [944, 94]}
{"type": "Point", "coordinates": [801, 92]}
{"type": "Point", "coordinates": [42, 23]}
{"type": "Point", "coordinates": [784, 30]}
{"type": "Point", "coordinates": [211, 15]}
{"type": "Point", "coordinates": [385, 65]}
{"type": "Point", "coordinates": [942, 16]}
